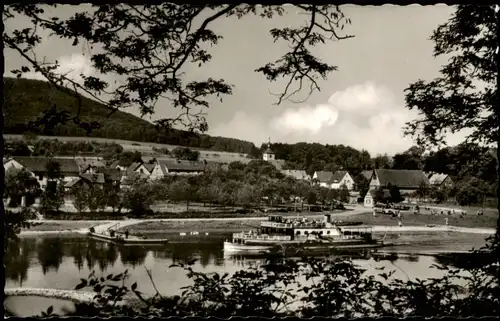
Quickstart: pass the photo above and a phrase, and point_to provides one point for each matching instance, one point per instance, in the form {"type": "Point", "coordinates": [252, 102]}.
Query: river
{"type": "Point", "coordinates": [60, 261]}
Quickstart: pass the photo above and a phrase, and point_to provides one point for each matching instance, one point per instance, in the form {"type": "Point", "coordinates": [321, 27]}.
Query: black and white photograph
{"type": "Point", "coordinates": [250, 160]}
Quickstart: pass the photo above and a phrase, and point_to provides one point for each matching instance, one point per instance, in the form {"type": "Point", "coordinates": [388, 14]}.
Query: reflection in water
{"type": "Point", "coordinates": [17, 259]}
{"type": "Point", "coordinates": [133, 255]}
{"type": "Point", "coordinates": [92, 254]}
{"type": "Point", "coordinates": [61, 261]}
{"type": "Point", "coordinates": [206, 253]}
{"type": "Point", "coordinates": [50, 253]}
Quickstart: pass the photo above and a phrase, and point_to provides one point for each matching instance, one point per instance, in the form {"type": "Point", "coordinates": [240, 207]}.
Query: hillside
{"type": "Point", "coordinates": [27, 99]}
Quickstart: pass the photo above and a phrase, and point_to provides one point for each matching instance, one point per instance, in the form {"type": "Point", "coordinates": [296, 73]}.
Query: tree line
{"type": "Point", "coordinates": [37, 107]}
{"type": "Point", "coordinates": [471, 167]}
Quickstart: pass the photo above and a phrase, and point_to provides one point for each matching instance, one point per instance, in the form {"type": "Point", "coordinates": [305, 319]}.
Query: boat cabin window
{"type": "Point", "coordinates": [306, 232]}
{"type": "Point", "coordinates": [298, 233]}
{"type": "Point", "coordinates": [347, 232]}
{"type": "Point", "coordinates": [321, 232]}
{"type": "Point", "coordinates": [327, 232]}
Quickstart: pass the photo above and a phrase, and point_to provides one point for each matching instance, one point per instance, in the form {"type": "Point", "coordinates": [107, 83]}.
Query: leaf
{"type": "Point", "coordinates": [134, 286]}
{"type": "Point", "coordinates": [109, 276]}
{"type": "Point", "coordinates": [81, 285]}
{"type": "Point", "coordinates": [50, 310]}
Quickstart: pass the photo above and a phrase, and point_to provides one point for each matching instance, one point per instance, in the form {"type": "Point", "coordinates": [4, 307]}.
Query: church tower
{"type": "Point", "coordinates": [268, 154]}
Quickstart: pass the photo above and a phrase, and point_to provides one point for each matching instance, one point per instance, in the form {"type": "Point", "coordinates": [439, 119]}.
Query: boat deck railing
{"type": "Point", "coordinates": [244, 236]}
{"type": "Point", "coordinates": [293, 225]}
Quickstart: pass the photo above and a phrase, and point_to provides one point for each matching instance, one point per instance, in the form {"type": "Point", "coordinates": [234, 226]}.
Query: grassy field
{"type": "Point", "coordinates": [471, 210]}
{"type": "Point", "coordinates": [61, 226]}
{"type": "Point", "coordinates": [147, 148]}
{"type": "Point", "coordinates": [488, 220]}
{"type": "Point", "coordinates": [191, 226]}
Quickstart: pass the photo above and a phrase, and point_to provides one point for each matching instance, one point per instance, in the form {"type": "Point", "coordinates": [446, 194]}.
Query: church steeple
{"type": "Point", "coordinates": [268, 154]}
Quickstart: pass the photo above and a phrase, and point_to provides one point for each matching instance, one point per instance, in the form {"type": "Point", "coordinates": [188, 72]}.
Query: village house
{"type": "Point", "coordinates": [90, 165]}
{"type": "Point", "coordinates": [440, 180]}
{"type": "Point", "coordinates": [182, 167]}
{"type": "Point", "coordinates": [323, 178]}
{"type": "Point", "coordinates": [37, 166]}
{"type": "Point", "coordinates": [121, 164]}
{"type": "Point", "coordinates": [353, 197]}
{"type": "Point", "coordinates": [86, 181]}
{"type": "Point", "coordinates": [137, 170]}
{"type": "Point", "coordinates": [297, 174]}
{"type": "Point", "coordinates": [408, 182]}
{"type": "Point", "coordinates": [341, 178]}
{"type": "Point", "coordinates": [106, 177]}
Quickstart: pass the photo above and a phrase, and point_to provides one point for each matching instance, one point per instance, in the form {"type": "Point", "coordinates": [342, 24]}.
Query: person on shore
{"type": "Point", "coordinates": [446, 221]}
{"type": "Point", "coordinates": [400, 223]}
{"type": "Point", "coordinates": [126, 234]}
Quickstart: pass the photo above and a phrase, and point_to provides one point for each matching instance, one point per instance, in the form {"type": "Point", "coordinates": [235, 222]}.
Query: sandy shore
{"type": "Point", "coordinates": [78, 296]}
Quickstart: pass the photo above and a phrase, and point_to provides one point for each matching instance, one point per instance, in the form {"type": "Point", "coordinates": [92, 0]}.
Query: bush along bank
{"type": "Point", "coordinates": [102, 216]}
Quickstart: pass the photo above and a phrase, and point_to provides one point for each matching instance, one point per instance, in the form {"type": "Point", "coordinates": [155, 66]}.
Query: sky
{"type": "Point", "coordinates": [360, 105]}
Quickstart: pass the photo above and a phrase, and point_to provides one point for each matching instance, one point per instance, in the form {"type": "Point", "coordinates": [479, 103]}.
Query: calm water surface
{"type": "Point", "coordinates": [60, 262]}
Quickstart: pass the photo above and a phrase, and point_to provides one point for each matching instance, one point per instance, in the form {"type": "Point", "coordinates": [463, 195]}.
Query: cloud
{"type": "Point", "coordinates": [307, 119]}
{"type": "Point", "coordinates": [361, 98]}
{"type": "Point", "coordinates": [72, 66]}
{"type": "Point", "coordinates": [365, 116]}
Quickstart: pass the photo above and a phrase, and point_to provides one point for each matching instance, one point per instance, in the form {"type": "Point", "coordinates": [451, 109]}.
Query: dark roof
{"type": "Point", "coordinates": [410, 179]}
{"type": "Point", "coordinates": [182, 165]}
{"type": "Point", "coordinates": [297, 174]}
{"type": "Point", "coordinates": [324, 177]}
{"type": "Point", "coordinates": [278, 163]}
{"type": "Point", "coordinates": [85, 162]}
{"type": "Point", "coordinates": [121, 162]}
{"type": "Point", "coordinates": [94, 178]}
{"type": "Point", "coordinates": [132, 168]}
{"type": "Point", "coordinates": [337, 177]}
{"type": "Point", "coordinates": [367, 174]}
{"type": "Point", "coordinates": [112, 174]}
{"type": "Point", "coordinates": [437, 178]}
{"type": "Point", "coordinates": [268, 151]}
{"type": "Point", "coordinates": [38, 164]}
{"type": "Point", "coordinates": [72, 182]}
{"type": "Point", "coordinates": [149, 166]}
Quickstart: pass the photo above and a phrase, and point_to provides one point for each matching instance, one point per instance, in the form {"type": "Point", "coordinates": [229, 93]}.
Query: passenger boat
{"type": "Point", "coordinates": [300, 234]}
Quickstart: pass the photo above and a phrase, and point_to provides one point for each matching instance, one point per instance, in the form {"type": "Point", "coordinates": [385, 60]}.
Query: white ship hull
{"type": "Point", "coordinates": [234, 248]}
{"type": "Point", "coordinates": [245, 248]}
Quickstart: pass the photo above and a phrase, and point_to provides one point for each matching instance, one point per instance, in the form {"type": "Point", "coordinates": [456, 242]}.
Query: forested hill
{"type": "Point", "coordinates": [27, 99]}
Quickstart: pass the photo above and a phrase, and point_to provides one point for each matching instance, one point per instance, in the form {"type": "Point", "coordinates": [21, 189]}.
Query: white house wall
{"type": "Point", "coordinates": [12, 163]}
{"type": "Point", "coordinates": [346, 180]}
{"type": "Point", "coordinates": [156, 173]}
{"type": "Point", "coordinates": [374, 183]}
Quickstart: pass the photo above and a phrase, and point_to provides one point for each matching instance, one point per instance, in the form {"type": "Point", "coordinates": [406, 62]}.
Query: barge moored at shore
{"type": "Point", "coordinates": [130, 240]}
{"type": "Point", "coordinates": [299, 234]}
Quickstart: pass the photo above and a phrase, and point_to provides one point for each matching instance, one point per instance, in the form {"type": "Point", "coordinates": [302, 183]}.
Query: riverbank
{"type": "Point", "coordinates": [76, 296]}
{"type": "Point", "coordinates": [467, 224]}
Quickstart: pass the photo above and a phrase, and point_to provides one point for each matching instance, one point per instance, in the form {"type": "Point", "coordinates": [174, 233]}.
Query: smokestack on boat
{"type": "Point", "coordinates": [327, 218]}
